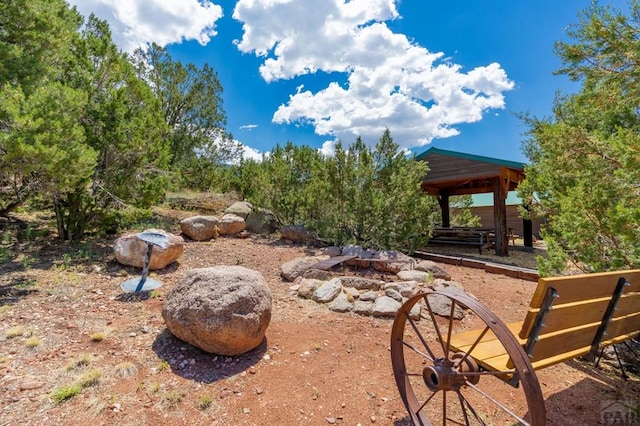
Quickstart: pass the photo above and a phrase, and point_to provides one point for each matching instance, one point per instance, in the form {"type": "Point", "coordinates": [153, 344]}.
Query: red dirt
{"type": "Point", "coordinates": [316, 367]}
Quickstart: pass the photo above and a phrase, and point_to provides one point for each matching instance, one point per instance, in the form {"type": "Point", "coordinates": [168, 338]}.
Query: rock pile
{"type": "Point", "coordinates": [376, 298]}
{"type": "Point", "coordinates": [366, 296]}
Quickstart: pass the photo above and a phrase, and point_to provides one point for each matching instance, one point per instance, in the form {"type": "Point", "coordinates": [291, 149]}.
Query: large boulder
{"type": "Point", "coordinates": [261, 221]}
{"type": "Point", "coordinates": [239, 208]}
{"type": "Point", "coordinates": [223, 310]}
{"type": "Point", "coordinates": [297, 233]}
{"type": "Point", "coordinates": [131, 251]}
{"type": "Point", "coordinates": [231, 224]}
{"type": "Point", "coordinates": [200, 228]}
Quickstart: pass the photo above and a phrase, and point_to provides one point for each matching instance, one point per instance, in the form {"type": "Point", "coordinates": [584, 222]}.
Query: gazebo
{"type": "Point", "coordinates": [455, 173]}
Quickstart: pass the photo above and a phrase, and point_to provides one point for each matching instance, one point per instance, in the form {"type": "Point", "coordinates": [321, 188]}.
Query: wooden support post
{"type": "Point", "coordinates": [500, 217]}
{"type": "Point", "coordinates": [527, 229]}
{"type": "Point", "coordinates": [443, 200]}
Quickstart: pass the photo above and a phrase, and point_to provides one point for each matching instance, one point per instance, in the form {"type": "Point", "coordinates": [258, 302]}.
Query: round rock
{"type": "Point", "coordinates": [200, 228]}
{"type": "Point", "coordinates": [223, 310]}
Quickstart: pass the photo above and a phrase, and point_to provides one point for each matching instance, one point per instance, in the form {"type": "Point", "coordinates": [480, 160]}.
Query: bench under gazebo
{"type": "Point", "coordinates": [454, 173]}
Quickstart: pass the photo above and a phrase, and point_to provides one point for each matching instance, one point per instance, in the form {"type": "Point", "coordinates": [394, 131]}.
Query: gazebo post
{"type": "Point", "coordinates": [443, 200]}
{"type": "Point", "coordinates": [500, 217]}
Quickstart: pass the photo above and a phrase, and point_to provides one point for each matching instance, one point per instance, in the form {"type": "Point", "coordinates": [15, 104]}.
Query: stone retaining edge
{"type": "Point", "coordinates": [490, 267]}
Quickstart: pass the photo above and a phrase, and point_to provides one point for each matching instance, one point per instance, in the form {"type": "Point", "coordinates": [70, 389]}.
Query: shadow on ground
{"type": "Point", "coordinates": [192, 363]}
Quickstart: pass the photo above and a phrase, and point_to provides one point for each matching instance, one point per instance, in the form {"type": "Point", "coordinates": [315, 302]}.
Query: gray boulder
{"type": "Point", "coordinates": [341, 303]}
{"type": "Point", "coordinates": [363, 308]}
{"type": "Point", "coordinates": [297, 233]}
{"type": "Point", "coordinates": [261, 221]}
{"type": "Point", "coordinates": [327, 291]}
{"type": "Point", "coordinates": [405, 288]}
{"type": "Point", "coordinates": [385, 306]}
{"type": "Point", "coordinates": [239, 208]}
{"type": "Point", "coordinates": [318, 274]}
{"type": "Point", "coordinates": [331, 251]}
{"type": "Point", "coordinates": [436, 270]}
{"type": "Point", "coordinates": [296, 267]}
{"type": "Point", "coordinates": [361, 283]}
{"type": "Point", "coordinates": [392, 261]}
{"type": "Point", "coordinates": [413, 275]}
{"type": "Point", "coordinates": [223, 310]}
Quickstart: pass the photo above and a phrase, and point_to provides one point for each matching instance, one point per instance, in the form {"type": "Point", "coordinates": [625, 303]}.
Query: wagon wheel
{"type": "Point", "coordinates": [449, 387]}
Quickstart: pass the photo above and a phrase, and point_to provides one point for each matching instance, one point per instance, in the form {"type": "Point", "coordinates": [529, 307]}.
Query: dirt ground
{"type": "Point", "coordinates": [65, 322]}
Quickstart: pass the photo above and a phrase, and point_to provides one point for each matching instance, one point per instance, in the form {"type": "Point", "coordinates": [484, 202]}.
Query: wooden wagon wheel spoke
{"type": "Point", "coordinates": [426, 377]}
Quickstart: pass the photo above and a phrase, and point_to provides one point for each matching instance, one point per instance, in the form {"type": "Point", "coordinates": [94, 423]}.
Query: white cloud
{"type": "Point", "coordinates": [328, 148]}
{"type": "Point", "coordinates": [251, 154]}
{"type": "Point", "coordinates": [391, 82]}
{"type": "Point", "coordinates": [134, 23]}
{"type": "Point", "coordinates": [249, 127]}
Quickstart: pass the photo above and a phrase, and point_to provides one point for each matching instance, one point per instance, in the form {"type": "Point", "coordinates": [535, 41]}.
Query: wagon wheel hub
{"type": "Point", "coordinates": [448, 375]}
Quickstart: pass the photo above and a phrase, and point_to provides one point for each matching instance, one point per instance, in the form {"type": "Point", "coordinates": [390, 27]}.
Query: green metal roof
{"type": "Point", "coordinates": [497, 161]}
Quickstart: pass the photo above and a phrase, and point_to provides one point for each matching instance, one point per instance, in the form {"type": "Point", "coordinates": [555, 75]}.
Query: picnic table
{"type": "Point", "coordinates": [446, 371]}
{"type": "Point", "coordinates": [478, 237]}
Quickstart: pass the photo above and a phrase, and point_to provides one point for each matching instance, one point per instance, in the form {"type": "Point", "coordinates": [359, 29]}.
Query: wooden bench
{"type": "Point", "coordinates": [568, 317]}
{"type": "Point", "coordinates": [477, 237]}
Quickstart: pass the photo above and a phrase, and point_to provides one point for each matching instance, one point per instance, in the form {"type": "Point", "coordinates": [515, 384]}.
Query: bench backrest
{"type": "Point", "coordinates": [577, 313]}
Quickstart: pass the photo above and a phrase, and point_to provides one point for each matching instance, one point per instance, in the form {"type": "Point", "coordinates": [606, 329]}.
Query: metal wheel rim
{"type": "Point", "coordinates": [522, 366]}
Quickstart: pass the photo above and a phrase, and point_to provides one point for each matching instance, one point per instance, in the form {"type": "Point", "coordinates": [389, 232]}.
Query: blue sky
{"type": "Point", "coordinates": [445, 74]}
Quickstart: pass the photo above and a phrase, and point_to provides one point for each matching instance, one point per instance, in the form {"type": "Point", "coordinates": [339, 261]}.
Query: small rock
{"type": "Point", "coordinates": [369, 296]}
{"type": "Point", "coordinates": [327, 291]}
{"type": "Point", "coordinates": [385, 306]}
{"type": "Point", "coordinates": [30, 385]}
{"type": "Point", "coordinates": [331, 420]}
{"type": "Point", "coordinates": [245, 410]}
{"type": "Point", "coordinates": [341, 303]}
{"type": "Point", "coordinates": [413, 275]}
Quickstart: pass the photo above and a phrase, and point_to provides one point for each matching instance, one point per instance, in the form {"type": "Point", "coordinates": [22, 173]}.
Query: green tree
{"type": "Point", "coordinates": [39, 129]}
{"type": "Point", "coordinates": [461, 214]}
{"type": "Point", "coordinates": [358, 196]}
{"type": "Point", "coordinates": [77, 125]}
{"type": "Point", "coordinates": [404, 214]}
{"type": "Point", "coordinates": [123, 123]}
{"type": "Point", "coordinates": [584, 175]}
{"type": "Point", "coordinates": [191, 101]}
